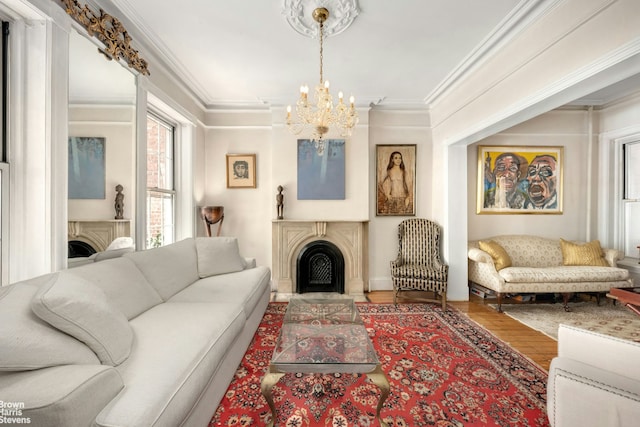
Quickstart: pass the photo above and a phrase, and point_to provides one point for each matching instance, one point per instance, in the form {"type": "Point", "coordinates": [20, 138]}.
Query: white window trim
{"type": "Point", "coordinates": [152, 99]}
{"type": "Point", "coordinates": [611, 180]}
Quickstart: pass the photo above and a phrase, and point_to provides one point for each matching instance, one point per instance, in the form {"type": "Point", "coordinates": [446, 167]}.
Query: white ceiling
{"type": "Point", "coordinates": [244, 53]}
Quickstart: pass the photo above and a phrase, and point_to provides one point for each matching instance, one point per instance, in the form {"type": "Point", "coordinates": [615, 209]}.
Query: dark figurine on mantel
{"type": "Point", "coordinates": [280, 200]}
{"type": "Point", "coordinates": [119, 203]}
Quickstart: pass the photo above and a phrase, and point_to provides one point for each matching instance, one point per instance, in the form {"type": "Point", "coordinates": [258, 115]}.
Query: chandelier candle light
{"type": "Point", "coordinates": [324, 115]}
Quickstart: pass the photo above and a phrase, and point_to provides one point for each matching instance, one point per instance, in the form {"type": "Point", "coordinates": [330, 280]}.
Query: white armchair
{"type": "Point", "coordinates": [594, 381]}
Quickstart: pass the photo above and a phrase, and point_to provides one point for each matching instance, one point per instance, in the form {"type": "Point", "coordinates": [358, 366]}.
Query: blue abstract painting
{"type": "Point", "coordinates": [321, 171]}
{"type": "Point", "coordinates": [86, 168]}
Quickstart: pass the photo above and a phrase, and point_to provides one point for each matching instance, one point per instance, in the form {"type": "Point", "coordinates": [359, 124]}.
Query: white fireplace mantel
{"type": "Point", "coordinates": [99, 233]}
{"type": "Point", "coordinates": [290, 236]}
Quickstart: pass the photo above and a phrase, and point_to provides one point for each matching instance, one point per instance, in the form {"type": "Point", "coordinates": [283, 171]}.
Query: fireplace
{"type": "Point", "coordinates": [320, 268]}
{"type": "Point", "coordinates": [291, 237]}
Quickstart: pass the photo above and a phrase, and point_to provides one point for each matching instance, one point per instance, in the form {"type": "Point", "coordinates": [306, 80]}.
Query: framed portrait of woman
{"type": "Point", "coordinates": [395, 180]}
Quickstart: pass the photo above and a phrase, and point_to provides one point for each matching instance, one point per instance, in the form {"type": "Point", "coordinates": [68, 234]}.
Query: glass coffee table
{"type": "Point", "coordinates": [323, 333]}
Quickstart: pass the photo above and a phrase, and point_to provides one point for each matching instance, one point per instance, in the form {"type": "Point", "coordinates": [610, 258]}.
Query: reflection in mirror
{"type": "Point", "coordinates": [102, 147]}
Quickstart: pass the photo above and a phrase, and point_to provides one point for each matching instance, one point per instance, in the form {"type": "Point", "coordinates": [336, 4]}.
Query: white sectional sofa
{"type": "Point", "coordinates": [152, 338]}
{"type": "Point", "coordinates": [537, 265]}
{"type": "Point", "coordinates": [594, 381]}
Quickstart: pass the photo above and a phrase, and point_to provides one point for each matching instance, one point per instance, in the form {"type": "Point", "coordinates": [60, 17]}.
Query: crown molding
{"type": "Point", "coordinates": [526, 12]}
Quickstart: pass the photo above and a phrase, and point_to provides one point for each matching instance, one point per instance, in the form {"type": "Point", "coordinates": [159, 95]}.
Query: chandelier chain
{"type": "Point", "coordinates": [321, 52]}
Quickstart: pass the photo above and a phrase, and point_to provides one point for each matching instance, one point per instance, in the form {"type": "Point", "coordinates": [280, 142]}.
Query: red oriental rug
{"type": "Point", "coordinates": [443, 368]}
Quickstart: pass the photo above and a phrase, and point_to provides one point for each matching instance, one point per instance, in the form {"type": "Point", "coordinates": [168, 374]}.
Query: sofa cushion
{"type": "Point", "coordinates": [123, 283]}
{"type": "Point", "coordinates": [569, 274]}
{"type": "Point", "coordinates": [500, 257]}
{"type": "Point", "coordinates": [112, 253]}
{"type": "Point", "coordinates": [218, 255]}
{"type": "Point", "coordinates": [81, 309]}
{"type": "Point", "coordinates": [531, 251]}
{"type": "Point", "coordinates": [61, 396]}
{"type": "Point", "coordinates": [169, 269]}
{"type": "Point", "coordinates": [27, 342]}
{"type": "Point", "coordinates": [163, 381]}
{"type": "Point", "coordinates": [242, 288]}
{"type": "Point", "coordinates": [582, 254]}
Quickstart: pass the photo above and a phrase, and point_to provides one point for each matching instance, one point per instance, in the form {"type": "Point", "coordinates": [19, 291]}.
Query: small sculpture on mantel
{"type": "Point", "coordinates": [280, 200]}
{"type": "Point", "coordinates": [119, 203]}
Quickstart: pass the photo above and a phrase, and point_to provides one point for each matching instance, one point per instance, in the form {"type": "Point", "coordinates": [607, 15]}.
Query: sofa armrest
{"type": "Point", "coordinates": [67, 395]}
{"type": "Point", "coordinates": [613, 256]}
{"type": "Point", "coordinates": [583, 395]}
{"type": "Point", "coordinates": [478, 255]}
{"type": "Point", "coordinates": [603, 351]}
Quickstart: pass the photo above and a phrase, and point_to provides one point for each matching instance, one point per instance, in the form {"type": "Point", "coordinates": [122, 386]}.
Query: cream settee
{"type": "Point", "coordinates": [537, 266]}
{"type": "Point", "coordinates": [150, 338]}
{"type": "Point", "coordinates": [594, 381]}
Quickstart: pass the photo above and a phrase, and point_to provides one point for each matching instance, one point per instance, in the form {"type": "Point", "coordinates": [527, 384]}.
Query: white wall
{"type": "Point", "coordinates": [396, 128]}
{"type": "Point", "coordinates": [249, 212]}
{"type": "Point", "coordinates": [116, 124]}
{"type": "Point", "coordinates": [566, 128]}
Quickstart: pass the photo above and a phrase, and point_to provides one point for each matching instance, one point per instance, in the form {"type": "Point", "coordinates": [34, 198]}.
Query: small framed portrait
{"type": "Point", "coordinates": [520, 180]}
{"type": "Point", "coordinates": [395, 180]}
{"type": "Point", "coordinates": [241, 171]}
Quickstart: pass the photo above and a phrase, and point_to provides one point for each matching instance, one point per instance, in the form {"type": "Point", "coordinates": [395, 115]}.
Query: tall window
{"type": "Point", "coordinates": [161, 193]}
{"type": "Point", "coordinates": [631, 199]}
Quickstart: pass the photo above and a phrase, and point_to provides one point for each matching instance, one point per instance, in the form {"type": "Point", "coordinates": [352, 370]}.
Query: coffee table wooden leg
{"type": "Point", "coordinates": [268, 381]}
{"type": "Point", "coordinates": [378, 377]}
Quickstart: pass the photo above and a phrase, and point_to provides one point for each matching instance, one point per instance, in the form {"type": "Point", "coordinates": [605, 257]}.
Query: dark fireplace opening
{"type": "Point", "coordinates": [78, 248]}
{"type": "Point", "coordinates": [320, 268]}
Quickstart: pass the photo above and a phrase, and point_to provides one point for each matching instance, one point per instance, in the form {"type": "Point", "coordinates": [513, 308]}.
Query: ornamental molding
{"type": "Point", "coordinates": [110, 32]}
{"type": "Point", "coordinates": [299, 13]}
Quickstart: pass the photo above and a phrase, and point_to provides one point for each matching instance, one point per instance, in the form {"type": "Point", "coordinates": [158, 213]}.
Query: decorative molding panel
{"type": "Point", "coordinates": [342, 13]}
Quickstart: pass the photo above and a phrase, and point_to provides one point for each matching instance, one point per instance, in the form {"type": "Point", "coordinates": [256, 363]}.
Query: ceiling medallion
{"type": "Point", "coordinates": [299, 16]}
{"type": "Point", "coordinates": [110, 31]}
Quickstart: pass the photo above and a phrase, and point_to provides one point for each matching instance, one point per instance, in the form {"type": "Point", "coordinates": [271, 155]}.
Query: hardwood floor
{"type": "Point", "coordinates": [533, 344]}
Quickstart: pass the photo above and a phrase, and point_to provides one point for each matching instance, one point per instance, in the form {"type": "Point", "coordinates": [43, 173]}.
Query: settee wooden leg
{"type": "Point", "coordinates": [499, 298]}
{"type": "Point", "coordinates": [565, 301]}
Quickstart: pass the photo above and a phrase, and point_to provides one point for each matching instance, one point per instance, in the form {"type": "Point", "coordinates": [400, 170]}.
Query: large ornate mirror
{"type": "Point", "coordinates": [102, 147]}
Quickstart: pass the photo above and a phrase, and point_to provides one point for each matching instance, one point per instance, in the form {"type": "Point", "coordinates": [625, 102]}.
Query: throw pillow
{"type": "Point", "coordinates": [79, 308]}
{"type": "Point", "coordinates": [29, 343]}
{"type": "Point", "coordinates": [582, 253]}
{"type": "Point", "coordinates": [500, 257]}
{"type": "Point", "coordinates": [218, 255]}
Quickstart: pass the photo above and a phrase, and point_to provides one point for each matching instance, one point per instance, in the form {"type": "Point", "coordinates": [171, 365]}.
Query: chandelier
{"type": "Point", "coordinates": [318, 117]}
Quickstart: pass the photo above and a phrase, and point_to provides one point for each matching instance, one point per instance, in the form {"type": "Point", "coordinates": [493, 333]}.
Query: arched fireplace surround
{"type": "Point", "coordinates": [291, 236]}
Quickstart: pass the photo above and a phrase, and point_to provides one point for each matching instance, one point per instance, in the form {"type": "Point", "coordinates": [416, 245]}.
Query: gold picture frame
{"type": "Point", "coordinates": [520, 180]}
{"type": "Point", "coordinates": [396, 180]}
{"type": "Point", "coordinates": [241, 171]}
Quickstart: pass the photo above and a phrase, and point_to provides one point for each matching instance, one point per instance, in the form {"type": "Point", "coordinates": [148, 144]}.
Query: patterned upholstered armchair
{"type": "Point", "coordinates": [418, 266]}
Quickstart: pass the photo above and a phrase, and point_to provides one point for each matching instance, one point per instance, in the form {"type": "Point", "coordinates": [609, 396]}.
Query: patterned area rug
{"type": "Point", "coordinates": [605, 318]}
{"type": "Point", "coordinates": [444, 370]}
